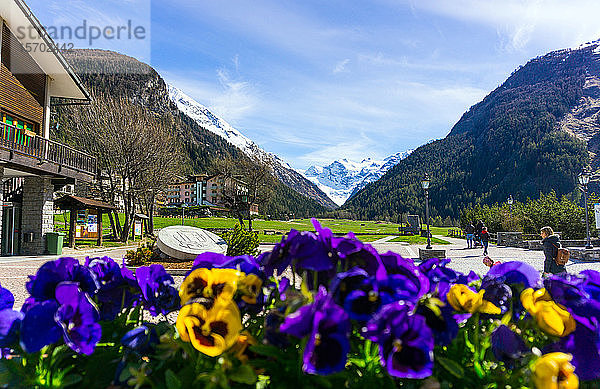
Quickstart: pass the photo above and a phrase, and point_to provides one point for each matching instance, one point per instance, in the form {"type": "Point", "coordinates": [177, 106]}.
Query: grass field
{"type": "Point", "coordinates": [336, 225]}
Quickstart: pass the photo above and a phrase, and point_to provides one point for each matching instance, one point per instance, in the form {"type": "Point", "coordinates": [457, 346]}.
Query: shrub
{"type": "Point", "coordinates": [143, 255]}
{"type": "Point", "coordinates": [241, 242]}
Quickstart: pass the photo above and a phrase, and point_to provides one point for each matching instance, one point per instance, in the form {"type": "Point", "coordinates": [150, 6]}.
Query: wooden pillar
{"type": "Point", "coordinates": [72, 219]}
{"type": "Point", "coordinates": [99, 227]}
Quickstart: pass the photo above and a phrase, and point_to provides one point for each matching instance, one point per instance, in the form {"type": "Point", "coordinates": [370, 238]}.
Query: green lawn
{"type": "Point", "coordinates": [336, 225]}
{"type": "Point", "coordinates": [414, 239]}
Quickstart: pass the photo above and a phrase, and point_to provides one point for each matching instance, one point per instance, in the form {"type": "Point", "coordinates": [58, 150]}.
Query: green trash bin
{"type": "Point", "coordinates": [54, 241]}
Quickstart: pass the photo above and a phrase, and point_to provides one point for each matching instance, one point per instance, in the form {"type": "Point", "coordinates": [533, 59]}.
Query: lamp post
{"type": "Point", "coordinates": [510, 202]}
{"type": "Point", "coordinates": [183, 212]}
{"type": "Point", "coordinates": [584, 180]}
{"type": "Point", "coordinates": [425, 184]}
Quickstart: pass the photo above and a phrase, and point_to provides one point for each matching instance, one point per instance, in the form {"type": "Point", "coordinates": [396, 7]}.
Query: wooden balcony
{"type": "Point", "coordinates": [23, 150]}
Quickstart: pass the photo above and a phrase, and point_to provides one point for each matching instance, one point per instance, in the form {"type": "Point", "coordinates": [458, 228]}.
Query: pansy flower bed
{"type": "Point", "coordinates": [316, 311]}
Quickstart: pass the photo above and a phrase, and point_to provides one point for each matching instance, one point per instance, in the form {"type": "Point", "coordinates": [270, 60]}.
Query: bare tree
{"type": "Point", "coordinates": [137, 154]}
{"type": "Point", "coordinates": [247, 182]}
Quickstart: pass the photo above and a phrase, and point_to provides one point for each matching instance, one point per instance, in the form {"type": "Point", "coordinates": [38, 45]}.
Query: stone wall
{"type": "Point", "coordinates": [510, 239]}
{"type": "Point", "coordinates": [37, 214]}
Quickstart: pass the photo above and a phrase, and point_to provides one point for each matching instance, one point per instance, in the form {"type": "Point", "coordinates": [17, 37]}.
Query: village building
{"type": "Point", "coordinates": [203, 189]}
{"type": "Point", "coordinates": [33, 76]}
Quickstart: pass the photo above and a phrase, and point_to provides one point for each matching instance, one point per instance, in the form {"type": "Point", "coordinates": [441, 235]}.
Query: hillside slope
{"type": "Point", "coordinates": [120, 76]}
{"type": "Point", "coordinates": [530, 135]}
{"type": "Point", "coordinates": [217, 125]}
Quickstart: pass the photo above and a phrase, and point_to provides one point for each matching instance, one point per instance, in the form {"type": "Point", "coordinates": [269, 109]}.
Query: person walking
{"type": "Point", "coordinates": [485, 240]}
{"type": "Point", "coordinates": [469, 232]}
{"type": "Point", "coordinates": [551, 244]}
{"type": "Point", "coordinates": [478, 228]}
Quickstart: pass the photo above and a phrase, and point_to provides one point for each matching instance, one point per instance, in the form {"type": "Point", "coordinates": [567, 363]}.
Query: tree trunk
{"type": "Point", "coordinates": [129, 218]}
{"type": "Point", "coordinates": [150, 223]}
{"type": "Point", "coordinates": [117, 223]}
{"type": "Point", "coordinates": [113, 227]}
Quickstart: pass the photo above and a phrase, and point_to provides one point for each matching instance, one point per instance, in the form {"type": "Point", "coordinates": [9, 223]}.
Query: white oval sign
{"type": "Point", "coordinates": [185, 243]}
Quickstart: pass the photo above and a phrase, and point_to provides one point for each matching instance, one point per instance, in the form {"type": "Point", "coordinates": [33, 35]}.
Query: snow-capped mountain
{"type": "Point", "coordinates": [282, 170]}
{"type": "Point", "coordinates": [343, 178]}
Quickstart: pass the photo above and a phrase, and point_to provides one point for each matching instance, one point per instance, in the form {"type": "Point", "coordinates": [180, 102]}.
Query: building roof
{"type": "Point", "coordinates": [65, 83]}
{"type": "Point", "coordinates": [69, 202]}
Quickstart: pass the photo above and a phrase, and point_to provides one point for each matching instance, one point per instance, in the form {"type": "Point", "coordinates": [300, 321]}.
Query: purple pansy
{"type": "Point", "coordinates": [159, 294]}
{"type": "Point", "coordinates": [407, 283]}
{"type": "Point", "coordinates": [497, 293]}
{"type": "Point", "coordinates": [38, 328]}
{"type": "Point", "coordinates": [243, 263]}
{"type": "Point", "coordinates": [10, 323]}
{"type": "Point", "coordinates": [10, 320]}
{"type": "Point", "coordinates": [344, 283]}
{"type": "Point", "coordinates": [78, 318]}
{"type": "Point", "coordinates": [141, 339]}
{"type": "Point", "coordinates": [440, 277]}
{"type": "Point", "coordinates": [329, 328]}
{"type": "Point", "coordinates": [284, 284]}
{"type": "Point", "coordinates": [354, 253]}
{"type": "Point", "coordinates": [515, 272]}
{"type": "Point", "coordinates": [42, 286]}
{"type": "Point", "coordinates": [443, 325]}
{"type": "Point", "coordinates": [507, 346]}
{"type": "Point", "coordinates": [278, 259]}
{"type": "Point", "coordinates": [367, 298]}
{"type": "Point", "coordinates": [405, 341]}
{"type": "Point", "coordinates": [572, 292]}
{"type": "Point", "coordinates": [118, 288]}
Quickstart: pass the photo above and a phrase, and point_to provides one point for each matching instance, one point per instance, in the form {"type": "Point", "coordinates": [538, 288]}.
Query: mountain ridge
{"type": "Point", "coordinates": [282, 170]}
{"type": "Point", "coordinates": [343, 178]}
{"type": "Point", "coordinates": [526, 137]}
{"type": "Point", "coordinates": [124, 77]}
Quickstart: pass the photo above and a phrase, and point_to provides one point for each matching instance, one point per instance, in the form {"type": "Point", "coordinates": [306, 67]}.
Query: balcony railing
{"type": "Point", "coordinates": [19, 140]}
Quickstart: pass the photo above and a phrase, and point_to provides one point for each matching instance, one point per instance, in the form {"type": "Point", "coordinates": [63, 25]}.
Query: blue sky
{"type": "Point", "coordinates": [318, 80]}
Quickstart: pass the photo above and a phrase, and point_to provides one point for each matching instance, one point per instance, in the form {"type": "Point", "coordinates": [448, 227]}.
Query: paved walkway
{"type": "Point", "coordinates": [14, 271]}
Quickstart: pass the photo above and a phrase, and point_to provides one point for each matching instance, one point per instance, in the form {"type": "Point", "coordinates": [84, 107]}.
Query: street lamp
{"type": "Point", "coordinates": [510, 202]}
{"type": "Point", "coordinates": [183, 206]}
{"type": "Point", "coordinates": [584, 180]}
{"type": "Point", "coordinates": [425, 184]}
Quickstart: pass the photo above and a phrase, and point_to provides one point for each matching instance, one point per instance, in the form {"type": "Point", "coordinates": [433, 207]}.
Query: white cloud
{"type": "Point", "coordinates": [341, 66]}
{"type": "Point", "coordinates": [524, 22]}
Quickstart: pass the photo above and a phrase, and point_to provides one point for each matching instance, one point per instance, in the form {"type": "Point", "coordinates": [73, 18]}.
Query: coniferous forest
{"type": "Point", "coordinates": [510, 143]}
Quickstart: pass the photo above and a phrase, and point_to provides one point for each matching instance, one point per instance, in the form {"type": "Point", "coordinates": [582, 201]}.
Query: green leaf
{"type": "Point", "coordinates": [453, 367]}
{"type": "Point", "coordinates": [267, 351]}
{"type": "Point", "coordinates": [172, 380]}
{"type": "Point", "coordinates": [71, 380]}
{"type": "Point", "coordinates": [244, 375]}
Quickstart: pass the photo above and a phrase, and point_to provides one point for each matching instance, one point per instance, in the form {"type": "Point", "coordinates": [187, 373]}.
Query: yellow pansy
{"type": "Point", "coordinates": [250, 286]}
{"type": "Point", "coordinates": [211, 331]}
{"type": "Point", "coordinates": [210, 283]}
{"type": "Point", "coordinates": [551, 318]}
{"type": "Point", "coordinates": [554, 371]}
{"type": "Point", "coordinates": [463, 299]}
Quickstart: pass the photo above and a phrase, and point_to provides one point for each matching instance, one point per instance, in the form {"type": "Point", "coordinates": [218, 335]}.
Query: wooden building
{"type": "Point", "coordinates": [32, 74]}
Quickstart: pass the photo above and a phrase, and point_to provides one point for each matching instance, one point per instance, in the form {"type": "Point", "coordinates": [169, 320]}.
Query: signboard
{"type": "Point", "coordinates": [597, 215]}
{"type": "Point", "coordinates": [86, 224]}
{"type": "Point", "coordinates": [137, 228]}
{"type": "Point", "coordinates": [185, 243]}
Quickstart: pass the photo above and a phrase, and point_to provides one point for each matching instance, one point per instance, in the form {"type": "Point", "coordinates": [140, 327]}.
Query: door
{"type": "Point", "coordinates": [11, 229]}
